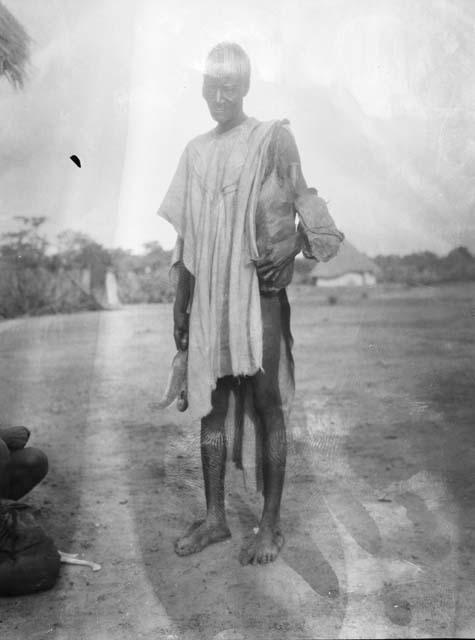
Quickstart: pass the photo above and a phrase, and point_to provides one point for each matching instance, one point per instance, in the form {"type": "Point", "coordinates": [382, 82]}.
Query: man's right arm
{"type": "Point", "coordinates": [184, 293]}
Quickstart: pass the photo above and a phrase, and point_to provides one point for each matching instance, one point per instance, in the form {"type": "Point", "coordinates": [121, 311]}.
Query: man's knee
{"type": "Point", "coordinates": [212, 438]}
{"type": "Point", "coordinates": [30, 461]}
{"type": "Point", "coordinates": [267, 397]}
{"type": "Point", "coordinates": [214, 421]}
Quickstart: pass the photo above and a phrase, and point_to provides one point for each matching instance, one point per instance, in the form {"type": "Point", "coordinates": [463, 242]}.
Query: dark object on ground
{"type": "Point", "coordinates": [29, 560]}
{"type": "Point", "coordinates": [21, 467]}
{"type": "Point", "coordinates": [15, 437]}
{"type": "Point", "coordinates": [332, 300]}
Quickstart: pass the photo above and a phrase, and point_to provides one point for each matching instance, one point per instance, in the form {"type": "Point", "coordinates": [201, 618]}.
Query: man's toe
{"type": "Point", "coordinates": [181, 547]}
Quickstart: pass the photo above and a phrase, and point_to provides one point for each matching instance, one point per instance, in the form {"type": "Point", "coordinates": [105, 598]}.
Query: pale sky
{"type": "Point", "coordinates": [380, 95]}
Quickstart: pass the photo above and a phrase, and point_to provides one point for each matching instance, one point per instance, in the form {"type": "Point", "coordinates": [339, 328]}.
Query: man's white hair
{"type": "Point", "coordinates": [229, 58]}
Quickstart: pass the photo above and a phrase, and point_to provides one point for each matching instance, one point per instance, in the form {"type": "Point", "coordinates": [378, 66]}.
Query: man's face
{"type": "Point", "coordinates": [224, 96]}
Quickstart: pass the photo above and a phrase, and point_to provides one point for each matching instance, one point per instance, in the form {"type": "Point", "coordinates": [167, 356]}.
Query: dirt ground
{"type": "Point", "coordinates": [379, 505]}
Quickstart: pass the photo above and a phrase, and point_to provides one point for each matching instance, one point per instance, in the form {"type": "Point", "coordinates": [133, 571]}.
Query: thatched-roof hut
{"type": "Point", "coordinates": [349, 267]}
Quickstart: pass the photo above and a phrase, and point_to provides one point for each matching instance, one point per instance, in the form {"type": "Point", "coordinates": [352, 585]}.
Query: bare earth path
{"type": "Point", "coordinates": [379, 507]}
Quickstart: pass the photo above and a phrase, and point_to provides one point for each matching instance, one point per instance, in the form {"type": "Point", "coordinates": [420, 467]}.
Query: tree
{"type": "Point", "coordinates": [77, 249]}
{"type": "Point", "coordinates": [26, 246]}
{"type": "Point", "coordinates": [24, 269]}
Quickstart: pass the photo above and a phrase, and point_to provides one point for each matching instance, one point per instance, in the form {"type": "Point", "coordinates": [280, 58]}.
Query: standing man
{"type": "Point", "coordinates": [233, 202]}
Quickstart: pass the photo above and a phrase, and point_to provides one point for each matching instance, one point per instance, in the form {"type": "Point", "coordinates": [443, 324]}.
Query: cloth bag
{"type": "Point", "coordinates": [29, 560]}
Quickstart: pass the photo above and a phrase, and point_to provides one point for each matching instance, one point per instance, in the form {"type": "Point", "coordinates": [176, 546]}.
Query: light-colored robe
{"type": "Point", "coordinates": [228, 188]}
{"type": "Point", "coordinates": [212, 203]}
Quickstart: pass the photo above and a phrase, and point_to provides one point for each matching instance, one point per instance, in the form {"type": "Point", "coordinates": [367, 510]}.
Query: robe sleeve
{"type": "Point", "coordinates": [176, 261]}
{"type": "Point", "coordinates": [320, 237]}
{"type": "Point", "coordinates": [173, 206]}
{"type": "Point", "coordinates": [173, 210]}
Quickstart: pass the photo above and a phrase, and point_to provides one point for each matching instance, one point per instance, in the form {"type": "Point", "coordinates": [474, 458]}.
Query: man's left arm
{"type": "Point", "coordinates": [316, 234]}
{"type": "Point", "coordinates": [282, 253]}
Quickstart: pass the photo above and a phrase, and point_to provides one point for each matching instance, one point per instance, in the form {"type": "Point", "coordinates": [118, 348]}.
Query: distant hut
{"type": "Point", "coordinates": [84, 275]}
{"type": "Point", "coordinates": [349, 268]}
{"type": "Point", "coordinates": [96, 279]}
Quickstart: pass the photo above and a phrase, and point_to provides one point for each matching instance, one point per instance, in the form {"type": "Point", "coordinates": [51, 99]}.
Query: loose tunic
{"type": "Point", "coordinates": [230, 198]}
{"type": "Point", "coordinates": [211, 203]}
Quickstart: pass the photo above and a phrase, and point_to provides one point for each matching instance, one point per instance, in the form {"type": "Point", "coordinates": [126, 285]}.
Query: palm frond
{"type": "Point", "coordinates": [14, 48]}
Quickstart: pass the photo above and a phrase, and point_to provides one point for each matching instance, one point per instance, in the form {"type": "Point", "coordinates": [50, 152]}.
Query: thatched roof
{"type": "Point", "coordinates": [347, 260]}
{"type": "Point", "coordinates": [14, 48]}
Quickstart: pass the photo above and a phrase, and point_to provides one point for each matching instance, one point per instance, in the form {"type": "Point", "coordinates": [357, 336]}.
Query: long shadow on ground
{"type": "Point", "coordinates": [208, 592]}
{"type": "Point", "coordinates": [45, 383]}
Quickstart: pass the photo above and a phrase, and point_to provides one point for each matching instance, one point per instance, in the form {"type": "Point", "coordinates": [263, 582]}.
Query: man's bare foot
{"type": "Point", "coordinates": [200, 535]}
{"type": "Point", "coordinates": [264, 547]}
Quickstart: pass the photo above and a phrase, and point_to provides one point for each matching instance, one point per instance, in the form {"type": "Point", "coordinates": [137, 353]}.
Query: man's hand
{"type": "Point", "coordinates": [278, 256]}
{"type": "Point", "coordinates": [184, 293]}
{"type": "Point", "coordinates": [180, 330]}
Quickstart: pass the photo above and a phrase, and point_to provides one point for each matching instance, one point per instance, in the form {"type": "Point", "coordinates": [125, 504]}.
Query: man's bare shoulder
{"type": "Point", "coordinates": [282, 150]}
{"type": "Point", "coordinates": [286, 142]}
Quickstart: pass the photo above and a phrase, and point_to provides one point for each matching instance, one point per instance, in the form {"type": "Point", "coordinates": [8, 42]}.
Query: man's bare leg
{"type": "Point", "coordinates": [213, 457]}
{"type": "Point", "coordinates": [269, 540]}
